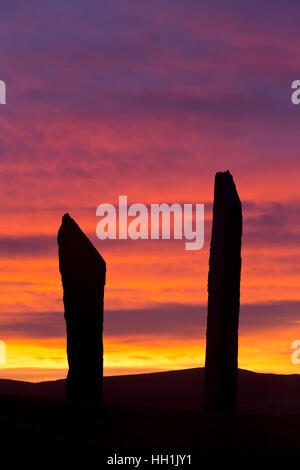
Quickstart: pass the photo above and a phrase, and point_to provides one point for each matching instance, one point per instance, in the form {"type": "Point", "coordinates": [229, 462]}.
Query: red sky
{"type": "Point", "coordinates": [148, 100]}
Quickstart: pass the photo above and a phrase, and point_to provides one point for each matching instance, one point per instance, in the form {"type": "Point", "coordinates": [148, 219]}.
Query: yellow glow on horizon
{"type": "Point", "coordinates": [46, 359]}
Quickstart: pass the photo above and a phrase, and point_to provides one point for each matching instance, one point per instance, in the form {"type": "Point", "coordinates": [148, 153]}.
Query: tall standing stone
{"type": "Point", "coordinates": [83, 272]}
{"type": "Point", "coordinates": [223, 298]}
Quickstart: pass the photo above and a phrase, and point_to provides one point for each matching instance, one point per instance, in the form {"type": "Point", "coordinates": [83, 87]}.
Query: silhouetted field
{"type": "Point", "coordinates": [182, 390]}
{"type": "Point", "coordinates": [149, 414]}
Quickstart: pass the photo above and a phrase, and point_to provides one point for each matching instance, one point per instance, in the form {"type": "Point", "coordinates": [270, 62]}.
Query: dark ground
{"type": "Point", "coordinates": [152, 414]}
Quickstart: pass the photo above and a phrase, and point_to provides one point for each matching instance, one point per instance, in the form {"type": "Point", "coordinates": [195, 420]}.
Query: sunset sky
{"type": "Point", "coordinates": [149, 100]}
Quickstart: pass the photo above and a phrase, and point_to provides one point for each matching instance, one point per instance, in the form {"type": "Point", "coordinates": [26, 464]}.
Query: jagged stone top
{"type": "Point", "coordinates": [224, 182]}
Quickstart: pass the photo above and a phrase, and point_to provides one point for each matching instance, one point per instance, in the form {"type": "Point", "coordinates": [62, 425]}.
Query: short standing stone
{"type": "Point", "coordinates": [83, 272]}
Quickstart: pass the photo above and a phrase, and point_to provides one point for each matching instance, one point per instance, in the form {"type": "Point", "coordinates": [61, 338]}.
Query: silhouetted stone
{"type": "Point", "coordinates": [82, 271]}
{"type": "Point", "coordinates": [223, 297]}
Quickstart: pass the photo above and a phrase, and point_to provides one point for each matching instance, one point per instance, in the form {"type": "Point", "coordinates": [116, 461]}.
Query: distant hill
{"type": "Point", "coordinates": [182, 390]}
{"type": "Point", "coordinates": [150, 414]}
